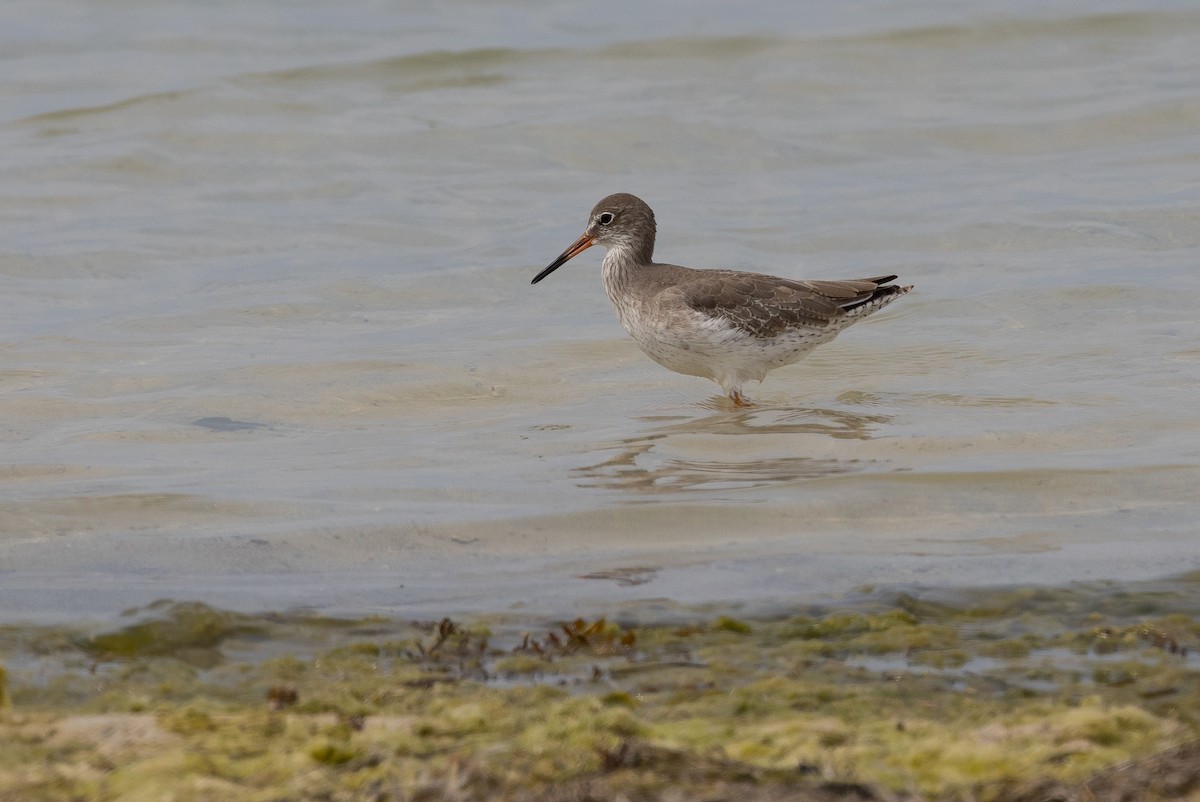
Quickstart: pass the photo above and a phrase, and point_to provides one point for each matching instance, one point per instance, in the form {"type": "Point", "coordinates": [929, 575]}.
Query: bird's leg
{"type": "Point", "coordinates": [739, 400]}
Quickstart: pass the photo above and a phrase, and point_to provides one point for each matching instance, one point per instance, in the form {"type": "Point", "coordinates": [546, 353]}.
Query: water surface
{"type": "Point", "coordinates": [268, 337]}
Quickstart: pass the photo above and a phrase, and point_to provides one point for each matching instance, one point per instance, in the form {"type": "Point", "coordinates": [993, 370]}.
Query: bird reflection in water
{"type": "Point", "coordinates": [644, 464]}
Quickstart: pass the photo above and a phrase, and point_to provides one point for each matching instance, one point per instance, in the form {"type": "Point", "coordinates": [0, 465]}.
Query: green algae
{"type": "Point", "coordinates": [728, 624]}
{"type": "Point", "coordinates": [983, 695]}
{"type": "Point", "coordinates": [188, 631]}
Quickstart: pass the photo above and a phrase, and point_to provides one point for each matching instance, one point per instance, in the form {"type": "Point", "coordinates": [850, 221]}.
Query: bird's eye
{"type": "Point", "coordinates": [605, 218]}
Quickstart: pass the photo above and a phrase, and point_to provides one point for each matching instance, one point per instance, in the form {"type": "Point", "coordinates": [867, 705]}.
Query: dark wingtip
{"type": "Point", "coordinates": [882, 290]}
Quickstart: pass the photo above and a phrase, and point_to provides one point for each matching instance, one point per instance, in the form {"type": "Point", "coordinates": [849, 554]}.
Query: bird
{"type": "Point", "coordinates": [729, 326]}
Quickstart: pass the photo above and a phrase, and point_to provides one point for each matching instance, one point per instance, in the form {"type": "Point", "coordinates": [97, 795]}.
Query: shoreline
{"type": "Point", "coordinates": [376, 571]}
{"type": "Point", "coordinates": [992, 694]}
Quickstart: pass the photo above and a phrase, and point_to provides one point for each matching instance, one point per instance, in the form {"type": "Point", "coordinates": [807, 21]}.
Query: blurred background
{"type": "Point", "coordinates": [267, 337]}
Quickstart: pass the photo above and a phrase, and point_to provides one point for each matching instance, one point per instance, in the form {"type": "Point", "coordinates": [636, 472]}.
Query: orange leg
{"type": "Point", "coordinates": [740, 400]}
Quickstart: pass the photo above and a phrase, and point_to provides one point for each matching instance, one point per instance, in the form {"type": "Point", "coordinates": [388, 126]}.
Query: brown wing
{"type": "Point", "coordinates": [766, 306]}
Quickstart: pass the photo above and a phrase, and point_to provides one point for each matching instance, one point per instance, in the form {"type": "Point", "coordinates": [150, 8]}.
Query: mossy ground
{"type": "Point", "coordinates": [998, 695]}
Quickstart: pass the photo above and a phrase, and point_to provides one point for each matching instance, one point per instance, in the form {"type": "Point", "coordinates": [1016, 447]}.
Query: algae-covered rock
{"type": "Point", "coordinates": [987, 695]}
{"type": "Point", "coordinates": [190, 631]}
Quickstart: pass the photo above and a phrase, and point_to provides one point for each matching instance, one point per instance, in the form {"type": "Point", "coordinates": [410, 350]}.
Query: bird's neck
{"type": "Point", "coordinates": [621, 268]}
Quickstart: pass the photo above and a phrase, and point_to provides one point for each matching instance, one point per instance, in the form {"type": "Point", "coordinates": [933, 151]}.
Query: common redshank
{"type": "Point", "coordinates": [723, 325]}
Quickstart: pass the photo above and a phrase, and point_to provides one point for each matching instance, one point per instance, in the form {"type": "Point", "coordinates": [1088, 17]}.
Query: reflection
{"type": "Point", "coordinates": [985, 401]}
{"type": "Point", "coordinates": [692, 454]}
{"type": "Point", "coordinates": [626, 577]}
{"type": "Point", "coordinates": [227, 424]}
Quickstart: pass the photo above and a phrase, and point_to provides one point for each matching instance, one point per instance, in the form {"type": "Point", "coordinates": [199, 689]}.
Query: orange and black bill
{"type": "Point", "coordinates": [577, 247]}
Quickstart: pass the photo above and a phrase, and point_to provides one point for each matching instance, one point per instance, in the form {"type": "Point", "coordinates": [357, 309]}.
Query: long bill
{"type": "Point", "coordinates": [577, 247]}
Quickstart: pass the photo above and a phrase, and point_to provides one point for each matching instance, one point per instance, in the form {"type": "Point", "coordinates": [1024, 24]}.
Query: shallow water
{"type": "Point", "coordinates": [268, 336]}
